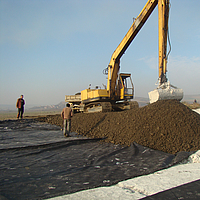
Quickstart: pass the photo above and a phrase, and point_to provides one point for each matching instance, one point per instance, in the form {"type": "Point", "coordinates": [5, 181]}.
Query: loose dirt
{"type": "Point", "coordinates": [167, 125]}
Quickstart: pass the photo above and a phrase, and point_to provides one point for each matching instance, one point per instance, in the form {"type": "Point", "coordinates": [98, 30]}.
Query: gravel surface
{"type": "Point", "coordinates": [166, 125]}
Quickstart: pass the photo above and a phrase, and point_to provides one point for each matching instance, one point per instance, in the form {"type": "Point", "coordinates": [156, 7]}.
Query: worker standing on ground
{"type": "Point", "coordinates": [20, 105]}
{"type": "Point", "coordinates": [67, 114]}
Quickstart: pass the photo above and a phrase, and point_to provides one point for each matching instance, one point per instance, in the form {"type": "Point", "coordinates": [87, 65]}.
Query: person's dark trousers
{"type": "Point", "coordinates": [20, 113]}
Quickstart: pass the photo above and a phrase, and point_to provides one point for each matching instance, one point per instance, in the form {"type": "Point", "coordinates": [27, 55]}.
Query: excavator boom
{"type": "Point", "coordinates": [113, 67]}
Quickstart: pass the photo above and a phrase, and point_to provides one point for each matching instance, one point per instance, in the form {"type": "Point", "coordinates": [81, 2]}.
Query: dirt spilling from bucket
{"type": "Point", "coordinates": [167, 125]}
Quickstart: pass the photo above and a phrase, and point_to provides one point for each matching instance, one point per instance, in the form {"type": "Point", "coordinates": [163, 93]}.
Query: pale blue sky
{"type": "Point", "coordinates": [50, 48]}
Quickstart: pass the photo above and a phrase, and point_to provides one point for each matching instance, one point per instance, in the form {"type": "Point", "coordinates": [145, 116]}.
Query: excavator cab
{"type": "Point", "coordinates": [125, 88]}
{"type": "Point", "coordinates": [124, 93]}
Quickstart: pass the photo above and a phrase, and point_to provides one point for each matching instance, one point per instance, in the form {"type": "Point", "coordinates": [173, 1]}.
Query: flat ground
{"type": "Point", "coordinates": [5, 115]}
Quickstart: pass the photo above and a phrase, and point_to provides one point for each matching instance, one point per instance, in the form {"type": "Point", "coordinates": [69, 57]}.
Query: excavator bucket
{"type": "Point", "coordinates": [165, 91]}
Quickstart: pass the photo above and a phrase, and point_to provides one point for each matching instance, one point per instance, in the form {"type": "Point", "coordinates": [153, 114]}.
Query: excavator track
{"type": "Point", "coordinates": [106, 106]}
{"type": "Point", "coordinates": [98, 107]}
{"type": "Point", "coordinates": [127, 105]}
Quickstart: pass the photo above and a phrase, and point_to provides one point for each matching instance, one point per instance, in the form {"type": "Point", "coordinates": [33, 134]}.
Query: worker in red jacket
{"type": "Point", "coordinates": [67, 114]}
{"type": "Point", "coordinates": [20, 105]}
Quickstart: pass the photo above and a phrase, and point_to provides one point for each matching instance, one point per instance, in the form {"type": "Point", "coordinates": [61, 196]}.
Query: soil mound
{"type": "Point", "coordinates": [167, 125]}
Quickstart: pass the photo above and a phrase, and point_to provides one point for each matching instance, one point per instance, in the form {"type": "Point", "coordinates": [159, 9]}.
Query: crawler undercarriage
{"type": "Point", "coordinates": [108, 106]}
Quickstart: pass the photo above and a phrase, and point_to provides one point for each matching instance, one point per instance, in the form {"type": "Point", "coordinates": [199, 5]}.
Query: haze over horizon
{"type": "Point", "coordinates": [51, 49]}
{"type": "Point", "coordinates": [141, 100]}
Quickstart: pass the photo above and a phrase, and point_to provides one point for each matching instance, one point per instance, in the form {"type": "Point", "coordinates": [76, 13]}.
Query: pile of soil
{"type": "Point", "coordinates": [166, 125]}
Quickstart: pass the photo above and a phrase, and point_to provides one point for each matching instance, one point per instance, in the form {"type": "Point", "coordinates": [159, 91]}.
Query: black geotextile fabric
{"type": "Point", "coordinates": [38, 162]}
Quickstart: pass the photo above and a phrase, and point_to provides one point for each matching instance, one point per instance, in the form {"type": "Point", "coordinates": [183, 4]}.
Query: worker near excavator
{"type": "Point", "coordinates": [20, 105]}
{"type": "Point", "coordinates": [67, 114]}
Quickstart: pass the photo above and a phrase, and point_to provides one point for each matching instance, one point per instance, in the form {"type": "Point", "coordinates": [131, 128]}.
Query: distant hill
{"type": "Point", "coordinates": [141, 101]}
{"type": "Point", "coordinates": [5, 107]}
{"type": "Point", "coordinates": [61, 105]}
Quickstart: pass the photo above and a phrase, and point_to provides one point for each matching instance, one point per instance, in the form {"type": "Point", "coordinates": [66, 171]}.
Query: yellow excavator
{"type": "Point", "coordinates": [120, 90]}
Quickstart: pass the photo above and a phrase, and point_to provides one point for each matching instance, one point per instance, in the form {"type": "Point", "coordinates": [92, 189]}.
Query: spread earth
{"type": "Point", "coordinates": [166, 125]}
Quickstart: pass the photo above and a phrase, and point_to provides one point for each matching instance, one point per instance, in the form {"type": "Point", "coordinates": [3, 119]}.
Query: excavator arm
{"type": "Point", "coordinates": [114, 65]}
{"type": "Point", "coordinates": [165, 90]}
{"type": "Point", "coordinates": [163, 15]}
